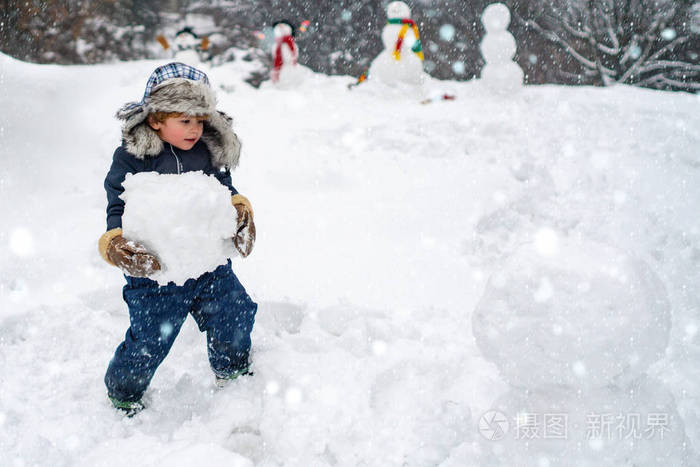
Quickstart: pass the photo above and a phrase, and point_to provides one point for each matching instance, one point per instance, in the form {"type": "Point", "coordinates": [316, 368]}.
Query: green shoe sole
{"type": "Point", "coordinates": [223, 381]}
{"type": "Point", "coordinates": [128, 407]}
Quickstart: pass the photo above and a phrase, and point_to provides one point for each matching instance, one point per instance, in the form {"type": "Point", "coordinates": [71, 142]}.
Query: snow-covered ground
{"type": "Point", "coordinates": [380, 222]}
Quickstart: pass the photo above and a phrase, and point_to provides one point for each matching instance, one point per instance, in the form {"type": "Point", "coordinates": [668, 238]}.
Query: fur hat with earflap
{"type": "Point", "coordinates": [179, 88]}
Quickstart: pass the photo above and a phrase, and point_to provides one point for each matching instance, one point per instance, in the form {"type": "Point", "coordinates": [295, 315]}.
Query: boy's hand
{"type": "Point", "coordinates": [131, 257]}
{"type": "Point", "coordinates": [245, 232]}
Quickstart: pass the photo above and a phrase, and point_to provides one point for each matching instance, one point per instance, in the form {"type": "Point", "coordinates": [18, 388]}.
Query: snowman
{"type": "Point", "coordinates": [187, 47]}
{"type": "Point", "coordinates": [401, 61]}
{"type": "Point", "coordinates": [573, 326]}
{"type": "Point", "coordinates": [285, 54]}
{"type": "Point", "coordinates": [501, 74]}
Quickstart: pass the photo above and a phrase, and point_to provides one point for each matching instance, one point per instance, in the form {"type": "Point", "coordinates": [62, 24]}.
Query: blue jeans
{"type": "Point", "coordinates": [218, 303]}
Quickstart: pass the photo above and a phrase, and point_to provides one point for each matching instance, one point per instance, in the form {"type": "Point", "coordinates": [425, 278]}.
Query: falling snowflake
{"type": "Point", "coordinates": [165, 330]}
{"type": "Point", "coordinates": [447, 32]}
{"type": "Point", "coordinates": [379, 347]}
{"type": "Point", "coordinates": [635, 51]}
{"type": "Point", "coordinates": [579, 369]}
{"type": "Point", "coordinates": [22, 242]}
{"type": "Point", "coordinates": [668, 34]}
{"type": "Point", "coordinates": [546, 242]}
{"type": "Point", "coordinates": [293, 396]}
{"type": "Point", "coordinates": [272, 387]}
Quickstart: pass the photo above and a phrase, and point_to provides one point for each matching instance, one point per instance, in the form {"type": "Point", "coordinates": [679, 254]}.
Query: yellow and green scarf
{"type": "Point", "coordinates": [406, 23]}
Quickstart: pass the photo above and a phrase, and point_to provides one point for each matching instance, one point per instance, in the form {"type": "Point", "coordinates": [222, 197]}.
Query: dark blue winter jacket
{"type": "Point", "coordinates": [171, 160]}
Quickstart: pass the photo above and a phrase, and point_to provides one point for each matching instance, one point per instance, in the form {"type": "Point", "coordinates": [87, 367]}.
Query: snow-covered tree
{"type": "Point", "coordinates": [652, 43]}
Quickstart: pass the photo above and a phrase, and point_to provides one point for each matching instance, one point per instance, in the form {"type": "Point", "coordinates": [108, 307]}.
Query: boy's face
{"type": "Point", "coordinates": [182, 131]}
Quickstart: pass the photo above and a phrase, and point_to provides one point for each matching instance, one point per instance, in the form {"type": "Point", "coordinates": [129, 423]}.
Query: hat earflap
{"type": "Point", "coordinates": [139, 138]}
{"type": "Point", "coordinates": [221, 140]}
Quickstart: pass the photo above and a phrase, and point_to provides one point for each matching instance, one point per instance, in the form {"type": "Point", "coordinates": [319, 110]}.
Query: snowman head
{"type": "Point", "coordinates": [398, 10]}
{"type": "Point", "coordinates": [186, 38]}
{"type": "Point", "coordinates": [282, 29]}
{"type": "Point", "coordinates": [496, 17]}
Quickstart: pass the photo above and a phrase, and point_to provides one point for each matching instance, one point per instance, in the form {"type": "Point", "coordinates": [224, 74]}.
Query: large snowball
{"type": "Point", "coordinates": [502, 79]}
{"type": "Point", "coordinates": [407, 71]}
{"type": "Point", "coordinates": [186, 220]}
{"type": "Point", "coordinates": [573, 313]}
{"type": "Point", "coordinates": [292, 76]}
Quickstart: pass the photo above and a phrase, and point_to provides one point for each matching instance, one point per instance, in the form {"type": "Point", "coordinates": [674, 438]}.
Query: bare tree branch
{"type": "Point", "coordinates": [551, 35]}
{"type": "Point", "coordinates": [643, 58]}
{"type": "Point", "coordinates": [660, 78]}
{"type": "Point", "coordinates": [621, 41]}
{"type": "Point", "coordinates": [575, 32]}
{"type": "Point", "coordinates": [665, 65]}
{"type": "Point", "coordinates": [670, 46]}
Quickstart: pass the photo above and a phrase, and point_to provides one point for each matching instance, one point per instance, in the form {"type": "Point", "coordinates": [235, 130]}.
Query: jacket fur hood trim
{"type": "Point", "coordinates": [184, 96]}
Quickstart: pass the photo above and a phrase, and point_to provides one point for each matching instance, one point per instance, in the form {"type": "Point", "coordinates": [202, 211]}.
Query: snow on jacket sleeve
{"type": "Point", "coordinates": [122, 163]}
{"type": "Point", "coordinates": [224, 176]}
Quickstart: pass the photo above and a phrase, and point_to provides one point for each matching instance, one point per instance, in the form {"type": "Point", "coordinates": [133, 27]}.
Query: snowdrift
{"type": "Point", "coordinates": [380, 222]}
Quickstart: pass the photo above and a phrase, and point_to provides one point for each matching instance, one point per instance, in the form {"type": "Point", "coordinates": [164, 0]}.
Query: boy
{"type": "Point", "coordinates": [175, 128]}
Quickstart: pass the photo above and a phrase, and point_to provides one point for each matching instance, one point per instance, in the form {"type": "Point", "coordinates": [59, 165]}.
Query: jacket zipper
{"type": "Point", "coordinates": [177, 160]}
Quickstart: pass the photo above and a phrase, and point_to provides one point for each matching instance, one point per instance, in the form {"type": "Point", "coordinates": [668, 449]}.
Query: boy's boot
{"type": "Point", "coordinates": [129, 408]}
{"type": "Point", "coordinates": [222, 381]}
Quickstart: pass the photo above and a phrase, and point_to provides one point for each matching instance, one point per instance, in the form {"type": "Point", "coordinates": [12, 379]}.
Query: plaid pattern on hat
{"type": "Point", "coordinates": [170, 71]}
